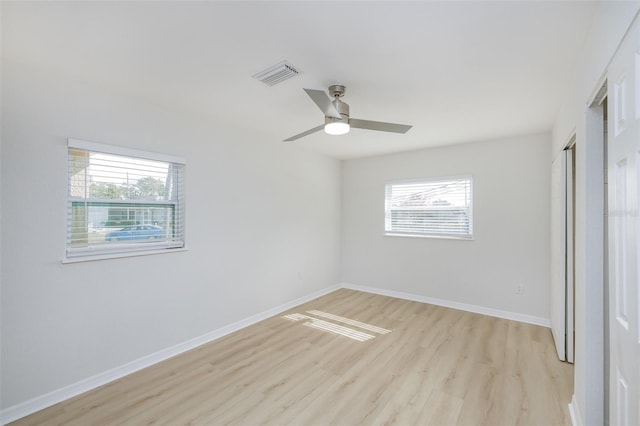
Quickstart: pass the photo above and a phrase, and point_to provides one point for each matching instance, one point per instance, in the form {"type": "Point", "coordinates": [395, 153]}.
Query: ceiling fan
{"type": "Point", "coordinates": [336, 115]}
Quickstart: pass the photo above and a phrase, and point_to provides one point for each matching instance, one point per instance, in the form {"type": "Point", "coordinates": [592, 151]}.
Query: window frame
{"type": "Point", "coordinates": [90, 252]}
{"type": "Point", "coordinates": [437, 235]}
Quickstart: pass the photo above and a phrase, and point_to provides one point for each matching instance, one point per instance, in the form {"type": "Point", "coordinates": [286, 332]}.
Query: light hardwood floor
{"type": "Point", "coordinates": [437, 366]}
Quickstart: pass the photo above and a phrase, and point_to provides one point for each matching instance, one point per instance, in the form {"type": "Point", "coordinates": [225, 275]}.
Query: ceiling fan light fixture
{"type": "Point", "coordinates": [336, 127]}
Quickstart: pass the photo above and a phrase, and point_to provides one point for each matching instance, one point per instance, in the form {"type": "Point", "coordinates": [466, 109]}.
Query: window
{"type": "Point", "coordinates": [122, 201]}
{"type": "Point", "coordinates": [440, 207]}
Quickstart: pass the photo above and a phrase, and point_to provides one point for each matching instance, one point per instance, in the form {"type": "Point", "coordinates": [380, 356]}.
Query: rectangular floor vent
{"type": "Point", "coordinates": [277, 73]}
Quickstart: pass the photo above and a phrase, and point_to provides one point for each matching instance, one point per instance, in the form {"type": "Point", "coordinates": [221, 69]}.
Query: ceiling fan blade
{"type": "Point", "coordinates": [379, 125]}
{"type": "Point", "coordinates": [324, 102]}
{"type": "Point", "coordinates": [303, 134]}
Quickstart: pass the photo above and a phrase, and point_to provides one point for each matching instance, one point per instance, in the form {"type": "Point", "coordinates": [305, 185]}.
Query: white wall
{"type": "Point", "coordinates": [511, 226]}
{"type": "Point", "coordinates": [258, 212]}
{"type": "Point", "coordinates": [611, 21]}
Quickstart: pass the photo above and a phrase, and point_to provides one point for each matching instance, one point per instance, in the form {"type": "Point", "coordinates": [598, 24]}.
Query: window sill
{"type": "Point", "coordinates": [119, 255]}
{"type": "Point", "coordinates": [437, 237]}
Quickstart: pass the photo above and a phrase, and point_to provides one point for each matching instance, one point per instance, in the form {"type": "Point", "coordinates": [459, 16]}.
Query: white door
{"type": "Point", "coordinates": [558, 253]}
{"type": "Point", "coordinates": [624, 231]}
{"type": "Point", "coordinates": [562, 254]}
{"type": "Point", "coordinates": [569, 261]}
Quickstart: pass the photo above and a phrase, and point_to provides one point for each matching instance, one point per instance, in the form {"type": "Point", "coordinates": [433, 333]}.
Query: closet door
{"type": "Point", "coordinates": [569, 244]}
{"type": "Point", "coordinates": [624, 231]}
{"type": "Point", "coordinates": [558, 253]}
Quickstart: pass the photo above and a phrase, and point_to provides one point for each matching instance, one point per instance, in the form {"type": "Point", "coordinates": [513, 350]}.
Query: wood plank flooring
{"type": "Point", "coordinates": [437, 366]}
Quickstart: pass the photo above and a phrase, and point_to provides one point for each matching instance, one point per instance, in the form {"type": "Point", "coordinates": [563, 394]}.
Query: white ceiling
{"type": "Point", "coordinates": [457, 71]}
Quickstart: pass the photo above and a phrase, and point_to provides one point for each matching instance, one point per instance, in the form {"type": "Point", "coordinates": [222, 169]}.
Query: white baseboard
{"type": "Point", "coordinates": [31, 406]}
{"type": "Point", "coordinates": [574, 412]}
{"type": "Point", "coordinates": [515, 316]}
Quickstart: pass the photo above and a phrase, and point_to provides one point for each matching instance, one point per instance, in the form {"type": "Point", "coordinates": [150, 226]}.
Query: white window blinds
{"type": "Point", "coordinates": [123, 201]}
{"type": "Point", "coordinates": [430, 207]}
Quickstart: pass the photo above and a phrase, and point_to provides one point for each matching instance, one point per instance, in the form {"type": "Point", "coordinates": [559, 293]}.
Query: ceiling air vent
{"type": "Point", "coordinates": [277, 73]}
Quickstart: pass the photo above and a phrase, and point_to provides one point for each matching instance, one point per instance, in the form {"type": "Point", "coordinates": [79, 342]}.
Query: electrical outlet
{"type": "Point", "coordinates": [519, 288]}
{"type": "Point", "coordinates": [299, 276]}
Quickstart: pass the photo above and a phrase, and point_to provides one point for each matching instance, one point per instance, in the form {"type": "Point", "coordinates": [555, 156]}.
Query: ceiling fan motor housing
{"type": "Point", "coordinates": [343, 109]}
